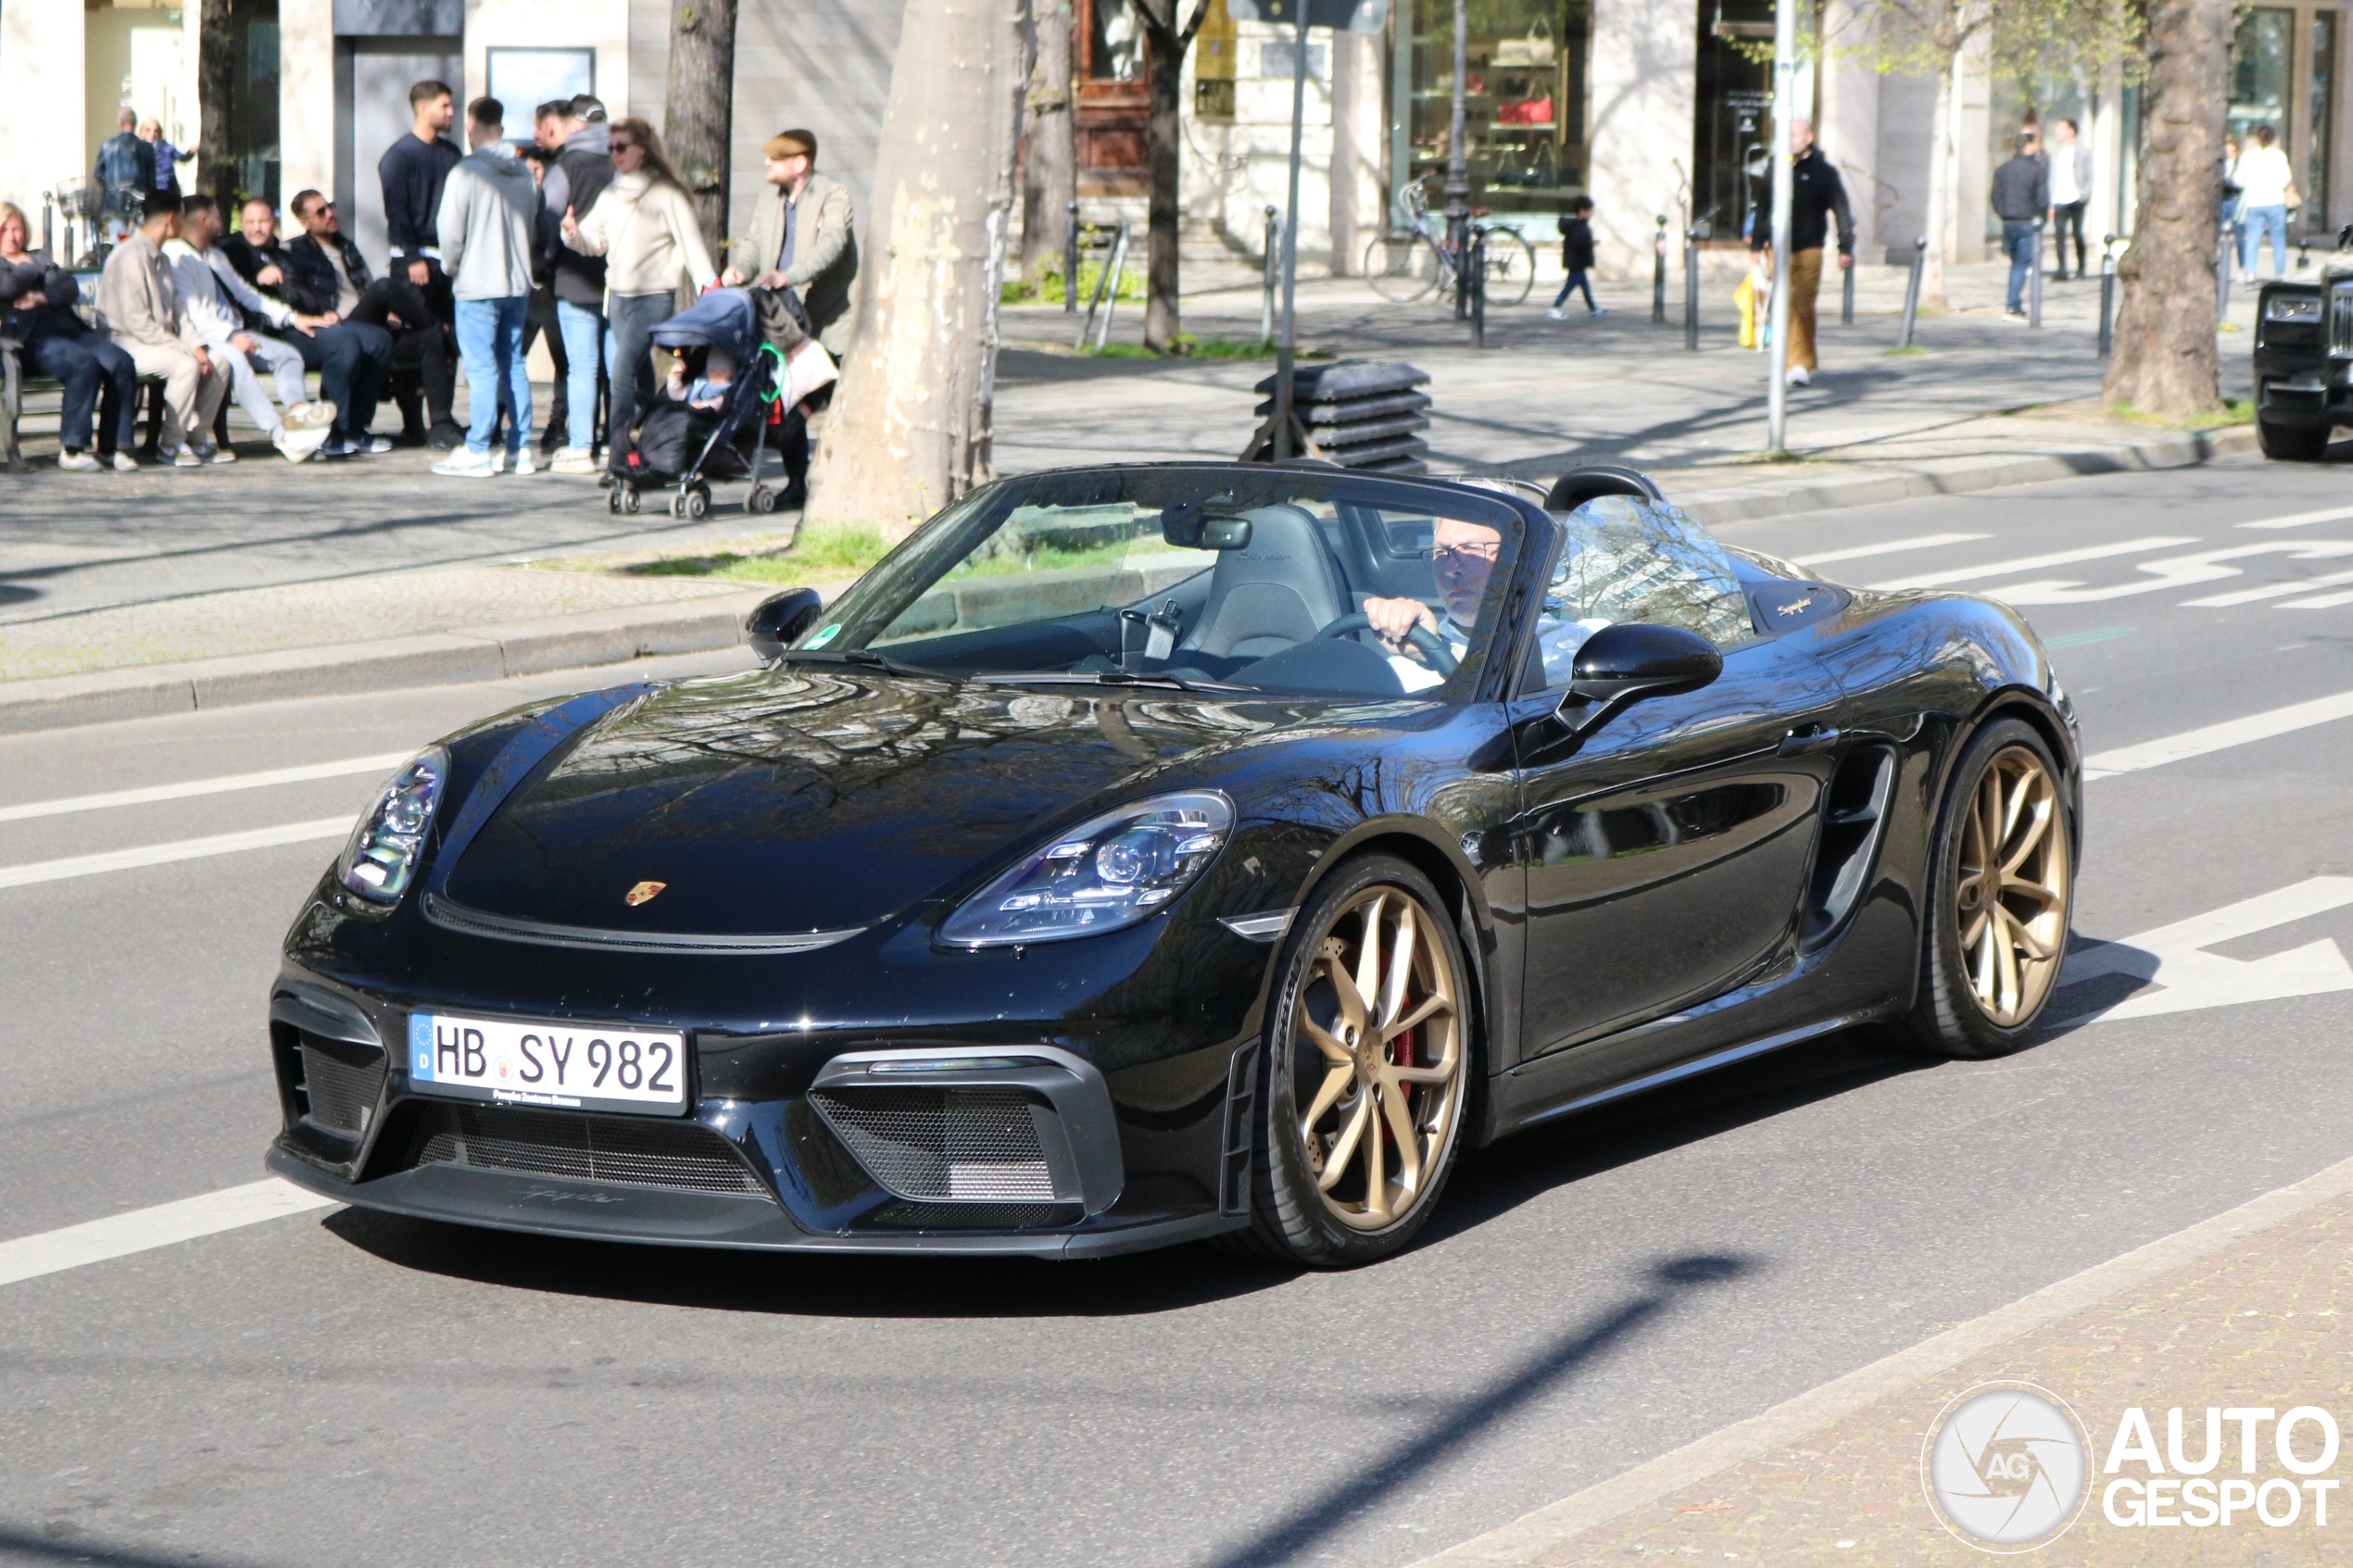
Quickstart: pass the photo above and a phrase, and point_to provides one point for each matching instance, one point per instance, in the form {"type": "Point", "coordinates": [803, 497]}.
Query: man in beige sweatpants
{"type": "Point", "coordinates": [141, 310]}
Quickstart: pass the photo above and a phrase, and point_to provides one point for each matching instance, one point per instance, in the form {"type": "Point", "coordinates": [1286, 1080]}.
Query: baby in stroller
{"type": "Point", "coordinates": [710, 421]}
{"type": "Point", "coordinates": [709, 389]}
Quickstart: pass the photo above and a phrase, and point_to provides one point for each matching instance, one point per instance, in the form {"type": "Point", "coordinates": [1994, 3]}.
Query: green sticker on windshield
{"type": "Point", "coordinates": [821, 638]}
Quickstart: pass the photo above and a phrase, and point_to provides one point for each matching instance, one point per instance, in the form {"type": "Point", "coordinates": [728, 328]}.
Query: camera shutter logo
{"type": "Point", "coordinates": [2005, 1467]}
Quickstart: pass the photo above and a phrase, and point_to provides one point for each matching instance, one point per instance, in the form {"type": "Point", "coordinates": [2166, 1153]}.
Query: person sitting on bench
{"type": "Point", "coordinates": [141, 307]}
{"type": "Point", "coordinates": [220, 303]}
{"type": "Point", "coordinates": [36, 309]}
{"type": "Point", "coordinates": [353, 358]}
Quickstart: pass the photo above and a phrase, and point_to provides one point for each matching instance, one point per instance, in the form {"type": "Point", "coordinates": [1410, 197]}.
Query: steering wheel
{"type": "Point", "coordinates": [1441, 657]}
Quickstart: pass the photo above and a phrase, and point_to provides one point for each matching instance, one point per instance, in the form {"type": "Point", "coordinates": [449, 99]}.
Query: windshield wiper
{"type": "Point", "coordinates": [1107, 678]}
{"type": "Point", "coordinates": [870, 659]}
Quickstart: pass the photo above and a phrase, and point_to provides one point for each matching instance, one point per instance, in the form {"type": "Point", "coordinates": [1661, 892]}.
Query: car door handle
{"type": "Point", "coordinates": [1812, 738]}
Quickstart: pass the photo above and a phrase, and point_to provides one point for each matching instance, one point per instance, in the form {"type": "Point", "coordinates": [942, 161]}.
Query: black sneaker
{"type": "Point", "coordinates": [446, 436]}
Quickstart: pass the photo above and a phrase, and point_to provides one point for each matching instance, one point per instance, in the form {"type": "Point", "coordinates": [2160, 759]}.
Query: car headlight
{"type": "Point", "coordinates": [2292, 308]}
{"type": "Point", "coordinates": [381, 858]}
{"type": "Point", "coordinates": [1109, 873]}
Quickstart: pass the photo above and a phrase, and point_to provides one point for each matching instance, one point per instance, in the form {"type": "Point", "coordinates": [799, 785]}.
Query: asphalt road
{"type": "Point", "coordinates": [335, 1387]}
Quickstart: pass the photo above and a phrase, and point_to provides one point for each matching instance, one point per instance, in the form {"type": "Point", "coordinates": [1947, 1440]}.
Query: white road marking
{"type": "Point", "coordinates": [179, 849]}
{"type": "Point", "coordinates": [2269, 591]}
{"type": "Point", "coordinates": [222, 785]}
{"type": "Point", "coordinates": [2217, 737]}
{"type": "Point", "coordinates": [2034, 563]}
{"type": "Point", "coordinates": [2302, 520]}
{"type": "Point", "coordinates": [1888, 547]}
{"type": "Point", "coordinates": [2170, 958]}
{"type": "Point", "coordinates": [118, 1235]}
{"type": "Point", "coordinates": [2175, 572]}
{"type": "Point", "coordinates": [2319, 601]}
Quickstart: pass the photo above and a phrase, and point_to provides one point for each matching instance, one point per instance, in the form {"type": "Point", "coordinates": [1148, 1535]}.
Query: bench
{"type": "Point", "coordinates": [14, 383]}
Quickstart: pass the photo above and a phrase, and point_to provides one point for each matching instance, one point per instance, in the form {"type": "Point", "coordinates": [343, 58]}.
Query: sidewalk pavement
{"type": "Point", "coordinates": [124, 594]}
{"type": "Point", "coordinates": [2243, 1310]}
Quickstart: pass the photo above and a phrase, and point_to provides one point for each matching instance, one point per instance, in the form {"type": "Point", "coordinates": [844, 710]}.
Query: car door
{"type": "Point", "coordinates": [1666, 856]}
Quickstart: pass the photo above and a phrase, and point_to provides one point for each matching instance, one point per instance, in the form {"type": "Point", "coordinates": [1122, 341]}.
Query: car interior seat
{"type": "Point", "coordinates": [1276, 594]}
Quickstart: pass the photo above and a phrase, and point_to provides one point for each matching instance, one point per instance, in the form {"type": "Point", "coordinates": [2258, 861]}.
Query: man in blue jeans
{"type": "Point", "coordinates": [485, 229]}
{"type": "Point", "coordinates": [2021, 193]}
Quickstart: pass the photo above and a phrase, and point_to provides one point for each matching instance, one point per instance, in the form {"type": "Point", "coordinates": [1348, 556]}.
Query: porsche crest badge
{"type": "Point", "coordinates": [643, 893]}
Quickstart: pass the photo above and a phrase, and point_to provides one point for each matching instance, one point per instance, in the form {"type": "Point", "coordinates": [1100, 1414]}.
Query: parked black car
{"type": "Point", "coordinates": [1141, 853]}
{"type": "Point", "coordinates": [2303, 354]}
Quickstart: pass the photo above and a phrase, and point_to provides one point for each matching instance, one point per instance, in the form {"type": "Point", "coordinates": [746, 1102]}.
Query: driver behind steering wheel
{"type": "Point", "coordinates": [1462, 559]}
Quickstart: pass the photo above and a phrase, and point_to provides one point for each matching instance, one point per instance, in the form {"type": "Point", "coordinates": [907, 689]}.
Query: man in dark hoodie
{"type": "Point", "coordinates": [353, 358]}
{"type": "Point", "coordinates": [583, 169]}
{"type": "Point", "coordinates": [413, 170]}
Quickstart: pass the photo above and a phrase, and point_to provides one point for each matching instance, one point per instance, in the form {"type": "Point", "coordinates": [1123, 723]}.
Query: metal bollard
{"type": "Point", "coordinates": [1114, 268]}
{"type": "Point", "coordinates": [1658, 276]}
{"type": "Point", "coordinates": [1691, 291]}
{"type": "Point", "coordinates": [2034, 280]}
{"type": "Point", "coordinates": [2222, 275]}
{"type": "Point", "coordinates": [1846, 294]}
{"type": "Point", "coordinates": [1274, 275]}
{"type": "Point", "coordinates": [1912, 292]}
{"type": "Point", "coordinates": [1070, 262]}
{"type": "Point", "coordinates": [1475, 282]}
{"type": "Point", "coordinates": [2107, 296]}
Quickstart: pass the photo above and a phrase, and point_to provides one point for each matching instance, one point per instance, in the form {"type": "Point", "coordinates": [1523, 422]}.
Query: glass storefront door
{"type": "Point", "coordinates": [1733, 131]}
{"type": "Point", "coordinates": [2319, 142]}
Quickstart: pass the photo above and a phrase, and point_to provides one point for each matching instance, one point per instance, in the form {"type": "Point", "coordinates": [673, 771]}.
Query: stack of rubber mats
{"type": "Point", "coordinates": [1360, 414]}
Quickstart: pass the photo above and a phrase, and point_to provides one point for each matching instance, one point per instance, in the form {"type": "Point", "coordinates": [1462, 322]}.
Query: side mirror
{"type": "Point", "coordinates": [1205, 531]}
{"type": "Point", "coordinates": [779, 619]}
{"type": "Point", "coordinates": [1621, 665]}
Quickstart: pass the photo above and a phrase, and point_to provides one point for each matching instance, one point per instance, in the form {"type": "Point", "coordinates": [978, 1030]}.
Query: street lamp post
{"type": "Point", "coordinates": [1458, 160]}
{"type": "Point", "coordinates": [1784, 105]}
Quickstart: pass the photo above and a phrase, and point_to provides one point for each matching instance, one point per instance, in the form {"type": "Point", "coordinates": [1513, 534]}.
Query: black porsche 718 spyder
{"type": "Point", "coordinates": [1141, 853]}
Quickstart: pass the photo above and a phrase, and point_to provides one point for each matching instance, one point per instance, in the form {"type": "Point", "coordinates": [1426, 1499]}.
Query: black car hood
{"type": "Point", "coordinates": [812, 800]}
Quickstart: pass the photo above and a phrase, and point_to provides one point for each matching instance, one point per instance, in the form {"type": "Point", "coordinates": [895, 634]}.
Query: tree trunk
{"type": "Point", "coordinates": [1050, 171]}
{"type": "Point", "coordinates": [2165, 362]}
{"type": "Point", "coordinates": [1165, 68]}
{"type": "Point", "coordinates": [215, 83]}
{"type": "Point", "coordinates": [701, 108]}
{"type": "Point", "coordinates": [1939, 228]}
{"type": "Point", "coordinates": [910, 427]}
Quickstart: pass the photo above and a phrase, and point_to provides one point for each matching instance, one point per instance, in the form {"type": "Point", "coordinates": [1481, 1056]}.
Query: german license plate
{"type": "Point", "coordinates": [567, 1066]}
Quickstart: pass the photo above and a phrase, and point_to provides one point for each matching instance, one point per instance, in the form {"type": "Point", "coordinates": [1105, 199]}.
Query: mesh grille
{"type": "Point", "coordinates": [591, 1149]}
{"type": "Point", "coordinates": [2341, 320]}
{"type": "Point", "coordinates": [342, 1093]}
{"type": "Point", "coordinates": [974, 1216]}
{"type": "Point", "coordinates": [961, 1146]}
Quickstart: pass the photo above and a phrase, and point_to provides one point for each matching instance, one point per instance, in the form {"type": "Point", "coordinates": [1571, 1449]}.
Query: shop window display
{"type": "Point", "coordinates": [1524, 106]}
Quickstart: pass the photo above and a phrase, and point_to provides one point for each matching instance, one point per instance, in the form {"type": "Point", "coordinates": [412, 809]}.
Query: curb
{"type": "Point", "coordinates": [1526, 1539]}
{"type": "Point", "coordinates": [468, 653]}
{"type": "Point", "coordinates": [1953, 476]}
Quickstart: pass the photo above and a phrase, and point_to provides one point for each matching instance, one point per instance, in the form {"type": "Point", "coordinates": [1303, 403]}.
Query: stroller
{"type": "Point", "coordinates": [678, 445]}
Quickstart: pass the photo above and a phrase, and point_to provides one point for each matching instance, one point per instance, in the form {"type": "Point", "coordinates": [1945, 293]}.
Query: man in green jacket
{"type": "Point", "coordinates": [800, 239]}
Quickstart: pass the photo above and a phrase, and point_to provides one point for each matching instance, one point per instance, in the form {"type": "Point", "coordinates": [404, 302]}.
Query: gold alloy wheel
{"type": "Point", "coordinates": [2010, 898]}
{"type": "Point", "coordinates": [1390, 1041]}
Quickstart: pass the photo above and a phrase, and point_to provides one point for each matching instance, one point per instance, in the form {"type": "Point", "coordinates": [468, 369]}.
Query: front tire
{"type": "Point", "coordinates": [2292, 443]}
{"type": "Point", "coordinates": [1366, 1073]}
{"type": "Point", "coordinates": [1402, 266]}
{"type": "Point", "coordinates": [2002, 890]}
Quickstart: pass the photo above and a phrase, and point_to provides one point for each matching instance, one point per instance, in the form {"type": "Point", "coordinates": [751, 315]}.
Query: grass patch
{"type": "Point", "coordinates": [1912, 353]}
{"type": "Point", "coordinates": [2231, 413]}
{"type": "Point", "coordinates": [816, 555]}
{"type": "Point", "coordinates": [1046, 287]}
{"type": "Point", "coordinates": [1188, 346]}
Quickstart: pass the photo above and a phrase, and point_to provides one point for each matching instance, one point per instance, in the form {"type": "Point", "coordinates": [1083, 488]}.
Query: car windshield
{"type": "Point", "coordinates": [1260, 580]}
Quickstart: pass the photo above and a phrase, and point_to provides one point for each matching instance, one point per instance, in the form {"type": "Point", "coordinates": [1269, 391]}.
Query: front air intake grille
{"type": "Point", "coordinates": [341, 1084]}
{"type": "Point", "coordinates": [2341, 320]}
{"type": "Point", "coordinates": [975, 1216]}
{"type": "Point", "coordinates": [956, 1146]}
{"type": "Point", "coordinates": [590, 1149]}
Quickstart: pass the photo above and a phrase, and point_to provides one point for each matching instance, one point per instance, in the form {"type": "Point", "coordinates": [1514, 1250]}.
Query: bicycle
{"type": "Point", "coordinates": [1407, 263]}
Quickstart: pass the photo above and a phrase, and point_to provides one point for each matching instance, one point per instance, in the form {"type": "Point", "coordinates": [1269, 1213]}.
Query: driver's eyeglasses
{"type": "Point", "coordinates": [1448, 554]}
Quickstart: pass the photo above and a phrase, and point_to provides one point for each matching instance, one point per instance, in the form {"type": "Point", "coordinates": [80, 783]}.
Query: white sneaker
{"type": "Point", "coordinates": [212, 454]}
{"type": "Point", "coordinates": [1599, 311]}
{"type": "Point", "coordinates": [1557, 314]}
{"type": "Point", "coordinates": [1800, 376]}
{"type": "Point", "coordinates": [463, 464]}
{"type": "Point", "coordinates": [294, 445]}
{"type": "Point", "coordinates": [574, 460]}
{"type": "Point", "coordinates": [184, 458]}
{"type": "Point", "coordinates": [79, 462]}
{"type": "Point", "coordinates": [125, 463]}
{"type": "Point", "coordinates": [518, 463]}
{"type": "Point", "coordinates": [318, 414]}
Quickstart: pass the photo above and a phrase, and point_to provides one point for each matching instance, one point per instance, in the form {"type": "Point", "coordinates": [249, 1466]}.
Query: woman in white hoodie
{"type": "Point", "coordinates": [644, 225]}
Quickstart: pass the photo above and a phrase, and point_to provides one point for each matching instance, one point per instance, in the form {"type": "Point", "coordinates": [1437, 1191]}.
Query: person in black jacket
{"type": "Point", "coordinates": [1577, 256]}
{"type": "Point", "coordinates": [2021, 195]}
{"type": "Point", "coordinates": [36, 309]}
{"type": "Point", "coordinates": [353, 358]}
{"type": "Point", "coordinates": [583, 169]}
{"type": "Point", "coordinates": [1817, 194]}
{"type": "Point", "coordinates": [326, 261]}
{"type": "Point", "coordinates": [413, 170]}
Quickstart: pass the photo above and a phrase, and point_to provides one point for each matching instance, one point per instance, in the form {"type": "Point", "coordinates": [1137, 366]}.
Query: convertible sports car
{"type": "Point", "coordinates": [1142, 854]}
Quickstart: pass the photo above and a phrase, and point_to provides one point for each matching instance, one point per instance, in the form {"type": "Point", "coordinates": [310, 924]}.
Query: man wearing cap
{"type": "Point", "coordinates": [800, 239]}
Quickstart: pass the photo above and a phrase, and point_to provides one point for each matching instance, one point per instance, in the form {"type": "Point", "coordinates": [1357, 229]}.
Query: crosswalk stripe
{"type": "Point", "coordinates": [179, 849]}
{"type": "Point", "coordinates": [2217, 737]}
{"type": "Point", "coordinates": [1889, 547]}
{"type": "Point", "coordinates": [2300, 519]}
{"type": "Point", "coordinates": [2034, 563]}
{"type": "Point", "coordinates": [118, 1235]}
{"type": "Point", "coordinates": [383, 763]}
{"type": "Point", "coordinates": [2267, 591]}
